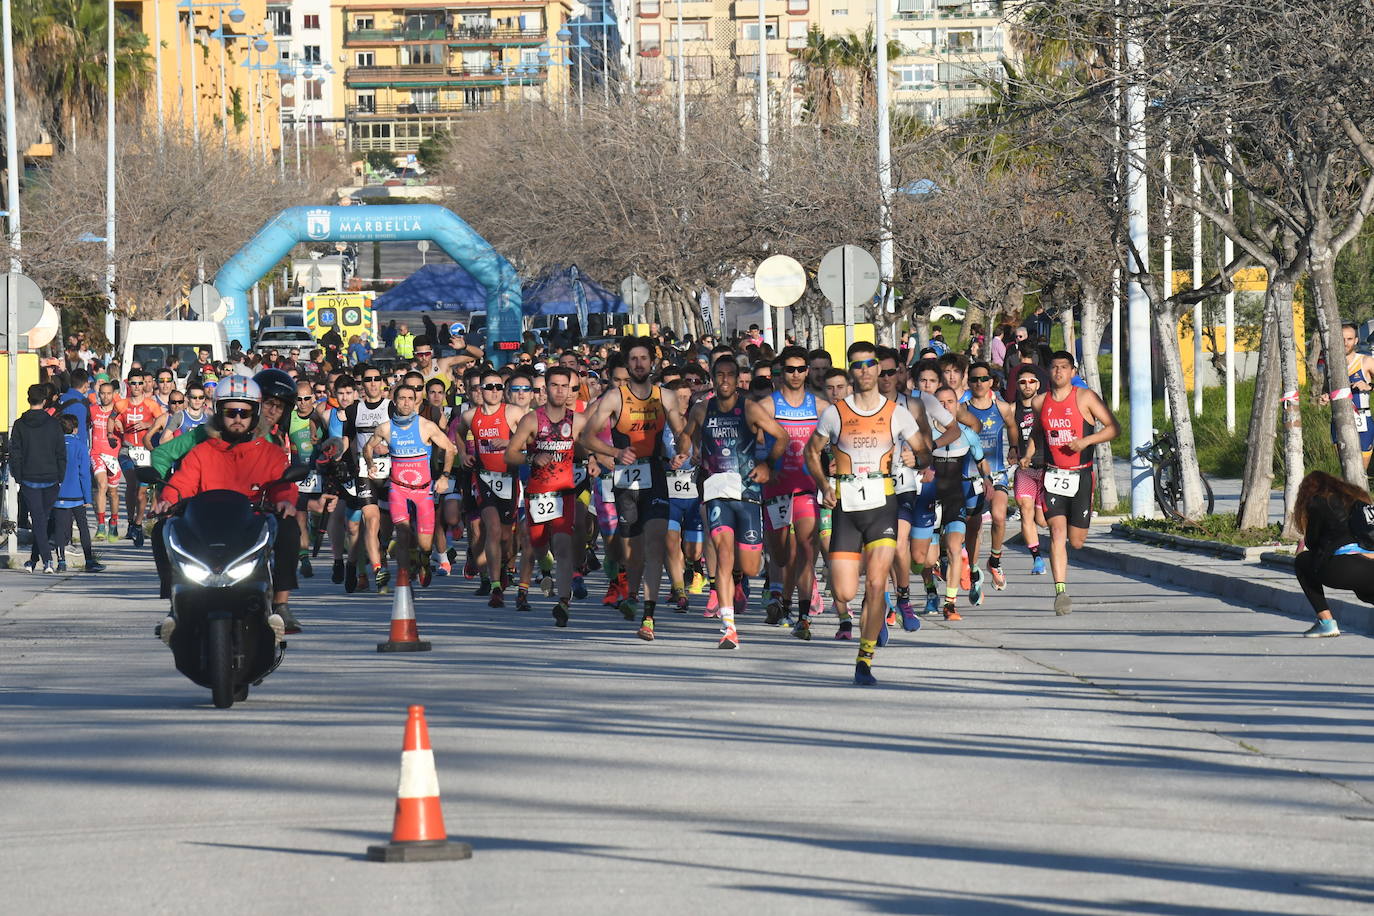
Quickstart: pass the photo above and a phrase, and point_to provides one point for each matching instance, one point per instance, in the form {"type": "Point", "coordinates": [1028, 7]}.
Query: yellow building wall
{"type": "Point", "coordinates": [1252, 281]}
{"type": "Point", "coordinates": [213, 63]}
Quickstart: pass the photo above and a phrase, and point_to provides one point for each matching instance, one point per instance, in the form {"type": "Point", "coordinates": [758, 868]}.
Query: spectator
{"type": "Point", "coordinates": [73, 497]}
{"type": "Point", "coordinates": [431, 331]}
{"type": "Point", "coordinates": [204, 365]}
{"type": "Point", "coordinates": [997, 350]}
{"type": "Point", "coordinates": [1328, 554]}
{"type": "Point", "coordinates": [1039, 323]}
{"type": "Point", "coordinates": [38, 461]}
{"type": "Point", "coordinates": [389, 333]}
{"type": "Point", "coordinates": [76, 401]}
{"type": "Point", "coordinates": [404, 343]}
{"type": "Point", "coordinates": [358, 351]}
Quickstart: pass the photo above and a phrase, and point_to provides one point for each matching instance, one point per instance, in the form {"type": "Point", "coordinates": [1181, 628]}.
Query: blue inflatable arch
{"type": "Point", "coordinates": [384, 223]}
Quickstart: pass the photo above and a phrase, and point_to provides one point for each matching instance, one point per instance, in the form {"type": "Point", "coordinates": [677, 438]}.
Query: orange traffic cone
{"type": "Point", "coordinates": [405, 636]}
{"type": "Point", "coordinates": [417, 834]}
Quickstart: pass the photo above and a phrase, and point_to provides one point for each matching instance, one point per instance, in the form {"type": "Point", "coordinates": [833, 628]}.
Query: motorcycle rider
{"type": "Point", "coordinates": [235, 456]}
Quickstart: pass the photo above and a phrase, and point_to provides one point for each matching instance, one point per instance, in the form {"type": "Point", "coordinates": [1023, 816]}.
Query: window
{"type": "Point", "coordinates": [648, 38]}
{"type": "Point", "coordinates": [911, 6]}
{"type": "Point", "coordinates": [648, 7]}
{"type": "Point", "coordinates": [281, 21]}
{"type": "Point", "coordinates": [310, 21]}
{"type": "Point", "coordinates": [314, 90]}
{"type": "Point", "coordinates": [915, 76]}
{"type": "Point", "coordinates": [477, 98]}
{"type": "Point", "coordinates": [798, 7]}
{"type": "Point", "coordinates": [311, 54]}
{"type": "Point", "coordinates": [424, 100]}
{"type": "Point", "coordinates": [367, 101]}
{"type": "Point", "coordinates": [529, 57]}
{"type": "Point", "coordinates": [284, 54]}
{"type": "Point", "coordinates": [365, 59]}
{"type": "Point", "coordinates": [363, 22]}
{"type": "Point", "coordinates": [751, 30]}
{"type": "Point", "coordinates": [691, 31]}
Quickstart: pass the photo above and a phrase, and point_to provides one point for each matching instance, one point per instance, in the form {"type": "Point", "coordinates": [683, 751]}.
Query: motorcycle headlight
{"type": "Point", "coordinates": [188, 565]}
{"type": "Point", "coordinates": [242, 567]}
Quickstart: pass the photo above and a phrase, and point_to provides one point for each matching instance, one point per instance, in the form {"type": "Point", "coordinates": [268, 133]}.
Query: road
{"type": "Point", "coordinates": [1155, 752]}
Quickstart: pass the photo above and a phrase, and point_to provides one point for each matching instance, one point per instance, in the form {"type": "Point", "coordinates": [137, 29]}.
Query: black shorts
{"type": "Point", "coordinates": [1078, 508]}
{"type": "Point", "coordinates": [635, 507]}
{"type": "Point", "coordinates": [485, 499]}
{"type": "Point", "coordinates": [371, 493]}
{"type": "Point", "coordinates": [851, 533]}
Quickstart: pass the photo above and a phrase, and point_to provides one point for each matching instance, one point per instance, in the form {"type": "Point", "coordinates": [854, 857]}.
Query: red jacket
{"type": "Point", "coordinates": [216, 465]}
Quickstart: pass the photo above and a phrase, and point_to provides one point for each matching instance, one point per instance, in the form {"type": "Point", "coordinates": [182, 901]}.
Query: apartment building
{"type": "Point", "coordinates": [304, 35]}
{"type": "Point", "coordinates": [405, 71]}
{"type": "Point", "coordinates": [950, 49]}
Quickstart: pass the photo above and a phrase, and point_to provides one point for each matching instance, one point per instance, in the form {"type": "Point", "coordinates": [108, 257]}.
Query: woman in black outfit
{"type": "Point", "coordinates": [1329, 556]}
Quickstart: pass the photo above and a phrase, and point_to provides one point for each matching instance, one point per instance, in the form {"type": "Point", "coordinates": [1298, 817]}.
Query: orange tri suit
{"type": "Point", "coordinates": [863, 447]}
{"type": "Point", "coordinates": [640, 489]}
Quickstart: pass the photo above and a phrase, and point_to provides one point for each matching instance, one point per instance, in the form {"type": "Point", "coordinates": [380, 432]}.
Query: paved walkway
{"type": "Point", "coordinates": [1155, 752]}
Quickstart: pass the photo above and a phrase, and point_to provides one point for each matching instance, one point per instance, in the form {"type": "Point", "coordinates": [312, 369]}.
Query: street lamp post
{"type": "Point", "coordinates": [109, 173]}
{"type": "Point", "coordinates": [236, 15]}
{"type": "Point", "coordinates": [886, 244]}
{"type": "Point", "coordinates": [763, 97]}
{"type": "Point", "coordinates": [12, 205]}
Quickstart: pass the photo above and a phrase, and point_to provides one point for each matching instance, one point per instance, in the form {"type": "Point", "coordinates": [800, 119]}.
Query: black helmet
{"type": "Point", "coordinates": [276, 384]}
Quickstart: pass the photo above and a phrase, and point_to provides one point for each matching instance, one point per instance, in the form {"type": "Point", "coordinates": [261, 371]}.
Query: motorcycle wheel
{"type": "Point", "coordinates": [219, 652]}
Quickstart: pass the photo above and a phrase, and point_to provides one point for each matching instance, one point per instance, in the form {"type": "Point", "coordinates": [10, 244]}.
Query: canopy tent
{"type": "Point", "coordinates": [556, 293]}
{"type": "Point", "coordinates": [435, 287]}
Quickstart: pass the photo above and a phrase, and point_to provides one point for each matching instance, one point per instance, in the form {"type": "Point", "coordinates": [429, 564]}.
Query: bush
{"type": "Point", "coordinates": [380, 161]}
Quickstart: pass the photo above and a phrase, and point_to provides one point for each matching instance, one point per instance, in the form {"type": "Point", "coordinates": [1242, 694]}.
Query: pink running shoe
{"type": "Point", "coordinates": [817, 605]}
{"type": "Point", "coordinates": [712, 602]}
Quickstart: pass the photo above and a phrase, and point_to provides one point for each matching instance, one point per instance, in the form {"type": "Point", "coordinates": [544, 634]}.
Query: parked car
{"type": "Point", "coordinates": [284, 337]}
{"type": "Point", "coordinates": [945, 312]}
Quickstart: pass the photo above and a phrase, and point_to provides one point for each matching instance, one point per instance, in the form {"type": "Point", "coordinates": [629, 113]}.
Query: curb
{"type": "Point", "coordinates": [1244, 583]}
{"type": "Point", "coordinates": [1164, 539]}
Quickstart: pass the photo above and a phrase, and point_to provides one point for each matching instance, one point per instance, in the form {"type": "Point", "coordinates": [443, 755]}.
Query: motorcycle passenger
{"type": "Point", "coordinates": [236, 456]}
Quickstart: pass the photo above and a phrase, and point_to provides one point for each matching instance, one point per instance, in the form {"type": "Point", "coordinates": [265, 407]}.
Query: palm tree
{"type": "Point", "coordinates": [823, 58]}
{"type": "Point", "coordinates": [859, 54]}
{"type": "Point", "coordinates": [61, 64]}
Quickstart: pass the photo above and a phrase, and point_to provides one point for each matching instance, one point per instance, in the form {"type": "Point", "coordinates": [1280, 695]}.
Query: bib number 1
{"type": "Point", "coordinates": [862, 493]}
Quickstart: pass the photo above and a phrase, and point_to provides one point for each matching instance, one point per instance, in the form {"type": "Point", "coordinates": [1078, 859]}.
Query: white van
{"type": "Point", "coordinates": [152, 343]}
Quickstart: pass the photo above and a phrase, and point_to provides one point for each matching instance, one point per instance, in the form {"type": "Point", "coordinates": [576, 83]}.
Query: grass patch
{"type": "Point", "coordinates": [1220, 528]}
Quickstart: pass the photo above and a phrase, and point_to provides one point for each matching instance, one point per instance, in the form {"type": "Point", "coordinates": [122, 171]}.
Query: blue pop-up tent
{"type": "Point", "coordinates": [557, 293]}
{"type": "Point", "coordinates": [435, 287]}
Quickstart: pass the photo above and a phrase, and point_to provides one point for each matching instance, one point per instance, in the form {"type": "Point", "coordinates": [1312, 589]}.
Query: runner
{"type": "Point", "coordinates": [105, 463]}
{"type": "Point", "coordinates": [497, 490]}
{"type": "Point", "coordinates": [731, 481]}
{"type": "Point", "coordinates": [408, 439]}
{"type": "Point", "coordinates": [996, 429]}
{"type": "Point", "coordinates": [790, 499]}
{"type": "Point", "coordinates": [954, 373]}
{"type": "Point", "coordinates": [925, 550]}
{"type": "Point", "coordinates": [685, 528]}
{"type": "Point", "coordinates": [1359, 370]}
{"type": "Point", "coordinates": [544, 441]}
{"type": "Point", "coordinates": [1030, 471]}
{"type": "Point", "coordinates": [864, 431]}
{"type": "Point", "coordinates": [636, 414]}
{"type": "Point", "coordinates": [132, 419]}
{"type": "Point", "coordinates": [1067, 414]}
{"type": "Point", "coordinates": [304, 433]}
{"type": "Point", "coordinates": [837, 388]}
{"type": "Point", "coordinates": [962, 479]}
{"type": "Point", "coordinates": [905, 485]}
{"type": "Point", "coordinates": [361, 419]}
{"type": "Point", "coordinates": [345, 520]}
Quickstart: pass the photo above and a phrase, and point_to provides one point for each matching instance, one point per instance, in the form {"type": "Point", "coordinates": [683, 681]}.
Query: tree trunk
{"type": "Point", "coordinates": [920, 322]}
{"type": "Point", "coordinates": [1280, 293]}
{"type": "Point", "coordinates": [1323, 263]}
{"type": "Point", "coordinates": [1066, 319]}
{"type": "Point", "coordinates": [1092, 374]}
{"type": "Point", "coordinates": [1166, 318]}
{"type": "Point", "coordinates": [972, 315]}
{"type": "Point", "coordinates": [1258, 476]}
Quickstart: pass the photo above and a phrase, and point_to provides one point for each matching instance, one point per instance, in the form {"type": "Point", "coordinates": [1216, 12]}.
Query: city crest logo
{"type": "Point", "coordinates": [317, 224]}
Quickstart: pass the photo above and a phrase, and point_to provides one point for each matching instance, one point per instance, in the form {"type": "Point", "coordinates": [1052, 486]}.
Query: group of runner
{"type": "Point", "coordinates": [711, 471]}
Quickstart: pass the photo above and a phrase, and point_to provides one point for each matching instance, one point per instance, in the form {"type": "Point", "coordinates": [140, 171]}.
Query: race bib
{"type": "Point", "coordinates": [607, 491]}
{"type": "Point", "coordinates": [860, 493]}
{"type": "Point", "coordinates": [140, 456]}
{"type": "Point", "coordinates": [1061, 482]}
{"type": "Point", "coordinates": [111, 463]}
{"type": "Point", "coordinates": [903, 478]}
{"type": "Point", "coordinates": [632, 476]}
{"type": "Point", "coordinates": [726, 485]}
{"type": "Point", "coordinates": [1361, 421]}
{"type": "Point", "coordinates": [545, 507]}
{"type": "Point", "coordinates": [579, 475]}
{"type": "Point", "coordinates": [780, 511]}
{"type": "Point", "coordinates": [500, 485]}
{"type": "Point", "coordinates": [310, 484]}
{"type": "Point", "coordinates": [380, 467]}
{"type": "Point", "coordinates": [977, 486]}
{"type": "Point", "coordinates": [682, 484]}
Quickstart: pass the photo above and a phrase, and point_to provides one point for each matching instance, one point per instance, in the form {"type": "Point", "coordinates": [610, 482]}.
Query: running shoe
{"type": "Point", "coordinates": [522, 601]}
{"type": "Point", "coordinates": [884, 634]}
{"type": "Point", "coordinates": [951, 612]}
{"type": "Point", "coordinates": [336, 574]}
{"type": "Point", "coordinates": [863, 674]}
{"type": "Point", "coordinates": [483, 588]}
{"type": "Point", "coordinates": [579, 588]}
{"type": "Point", "coordinates": [591, 562]}
{"type": "Point", "coordinates": [49, 570]}
{"type": "Point", "coordinates": [425, 574]}
{"type": "Point", "coordinates": [546, 583]}
{"type": "Point", "coordinates": [999, 578]}
{"type": "Point", "coordinates": [380, 577]}
{"type": "Point", "coordinates": [975, 591]}
{"type": "Point", "coordinates": [350, 577]}
{"type": "Point", "coordinates": [165, 629]}
{"type": "Point", "coordinates": [129, 534]}
{"type": "Point", "coordinates": [628, 609]}
{"type": "Point", "coordinates": [444, 568]}
{"type": "Point", "coordinates": [890, 619]}
{"type": "Point", "coordinates": [497, 599]}
{"type": "Point", "coordinates": [1038, 566]}
{"type": "Point", "coordinates": [113, 535]}
{"type": "Point", "coordinates": [289, 622]}
{"type": "Point", "coordinates": [729, 639]}
{"type": "Point", "coordinates": [61, 566]}
{"type": "Point", "coordinates": [94, 565]}
{"type": "Point", "coordinates": [802, 628]}
{"type": "Point", "coordinates": [1063, 604]}
{"type": "Point", "coordinates": [932, 605]}
{"type": "Point", "coordinates": [741, 598]}
{"type": "Point", "coordinates": [910, 621]}
{"type": "Point", "coordinates": [560, 614]}
{"type": "Point", "coordinates": [278, 627]}
{"type": "Point", "coordinates": [1322, 628]}
{"type": "Point", "coordinates": [138, 536]}
{"type": "Point", "coordinates": [846, 630]}
{"type": "Point", "coordinates": [698, 586]}
{"type": "Point", "coordinates": [613, 593]}
{"type": "Point", "coordinates": [965, 574]}
{"type": "Point", "coordinates": [646, 629]}
{"type": "Point", "coordinates": [680, 601]}
{"type": "Point", "coordinates": [453, 555]}
{"type": "Point", "coordinates": [100, 532]}
{"type": "Point", "coordinates": [772, 612]}
{"type": "Point", "coordinates": [712, 603]}
{"type": "Point", "coordinates": [307, 570]}
{"type": "Point", "coordinates": [817, 605]}
{"type": "Point", "coordinates": [470, 567]}
{"type": "Point", "coordinates": [362, 581]}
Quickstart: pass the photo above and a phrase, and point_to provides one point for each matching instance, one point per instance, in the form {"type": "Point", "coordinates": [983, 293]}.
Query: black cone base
{"type": "Point", "coordinates": [443, 851]}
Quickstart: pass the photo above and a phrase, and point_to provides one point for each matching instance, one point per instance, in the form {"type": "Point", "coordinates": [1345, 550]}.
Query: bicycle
{"type": "Point", "coordinates": [1164, 458]}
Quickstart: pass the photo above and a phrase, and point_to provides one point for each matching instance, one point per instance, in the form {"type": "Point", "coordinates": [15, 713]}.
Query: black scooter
{"type": "Point", "coordinates": [219, 545]}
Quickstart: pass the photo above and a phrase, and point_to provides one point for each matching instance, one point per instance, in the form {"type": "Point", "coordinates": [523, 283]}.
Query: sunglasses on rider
{"type": "Point", "coordinates": [794, 370]}
{"type": "Point", "coordinates": [863, 363]}
{"type": "Point", "coordinates": [237, 413]}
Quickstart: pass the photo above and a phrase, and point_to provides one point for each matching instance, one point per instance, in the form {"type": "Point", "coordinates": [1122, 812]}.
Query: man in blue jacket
{"type": "Point", "coordinates": [74, 495]}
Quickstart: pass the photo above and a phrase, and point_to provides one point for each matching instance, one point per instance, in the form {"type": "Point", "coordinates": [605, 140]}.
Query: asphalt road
{"type": "Point", "coordinates": [1155, 752]}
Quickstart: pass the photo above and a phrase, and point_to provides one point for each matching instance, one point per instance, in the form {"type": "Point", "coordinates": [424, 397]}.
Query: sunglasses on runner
{"type": "Point", "coordinates": [980, 378]}
{"type": "Point", "coordinates": [794, 370]}
{"type": "Point", "coordinates": [196, 397]}
{"type": "Point", "coordinates": [494, 388]}
{"type": "Point", "coordinates": [372, 378]}
{"type": "Point", "coordinates": [888, 373]}
{"type": "Point", "coordinates": [424, 352]}
{"type": "Point", "coordinates": [305, 398]}
{"type": "Point", "coordinates": [176, 402]}
{"type": "Point", "coordinates": [519, 388]}
{"type": "Point", "coordinates": [863, 364]}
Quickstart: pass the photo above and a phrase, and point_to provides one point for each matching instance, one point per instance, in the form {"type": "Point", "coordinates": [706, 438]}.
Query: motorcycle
{"type": "Point", "coordinates": [219, 546]}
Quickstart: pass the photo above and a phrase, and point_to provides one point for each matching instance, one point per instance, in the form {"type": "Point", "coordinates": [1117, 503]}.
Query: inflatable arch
{"type": "Point", "coordinates": [382, 223]}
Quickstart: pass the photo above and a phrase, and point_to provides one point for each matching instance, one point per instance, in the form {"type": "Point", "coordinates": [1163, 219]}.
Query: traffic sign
{"type": "Point", "coordinates": [204, 301]}
{"type": "Point", "coordinates": [848, 275]}
{"type": "Point", "coordinates": [422, 245]}
{"type": "Point", "coordinates": [634, 289]}
{"type": "Point", "coordinates": [313, 279]}
{"type": "Point", "coordinates": [41, 334]}
{"type": "Point", "coordinates": [780, 281]}
{"type": "Point", "coordinates": [28, 300]}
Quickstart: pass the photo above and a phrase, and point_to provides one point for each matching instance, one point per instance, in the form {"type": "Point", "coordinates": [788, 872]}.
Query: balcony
{"type": "Point", "coordinates": [749, 9]}
{"type": "Point", "coordinates": [466, 36]}
{"type": "Point", "coordinates": [748, 66]}
{"type": "Point", "coordinates": [391, 36]}
{"type": "Point", "coordinates": [434, 75]}
{"type": "Point", "coordinates": [469, 36]}
{"type": "Point", "coordinates": [413, 109]}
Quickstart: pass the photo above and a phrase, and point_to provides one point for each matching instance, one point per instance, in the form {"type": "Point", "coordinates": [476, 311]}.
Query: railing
{"type": "Point", "coordinates": [433, 73]}
{"type": "Point", "coordinates": [413, 109]}
{"type": "Point", "coordinates": [496, 36]}
{"type": "Point", "coordinates": [434, 33]}
{"type": "Point", "coordinates": [987, 11]}
{"type": "Point", "coordinates": [462, 33]}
